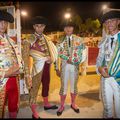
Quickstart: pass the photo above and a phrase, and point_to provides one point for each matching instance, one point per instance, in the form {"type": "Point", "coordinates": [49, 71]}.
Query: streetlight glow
{"type": "Point", "coordinates": [67, 15]}
{"type": "Point", "coordinates": [23, 13]}
{"type": "Point", "coordinates": [104, 7]}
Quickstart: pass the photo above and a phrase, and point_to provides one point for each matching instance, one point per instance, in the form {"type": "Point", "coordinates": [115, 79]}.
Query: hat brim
{"type": "Point", "coordinates": [110, 15]}
{"type": "Point", "coordinates": [39, 20]}
{"type": "Point", "coordinates": [6, 16]}
{"type": "Point", "coordinates": [68, 25]}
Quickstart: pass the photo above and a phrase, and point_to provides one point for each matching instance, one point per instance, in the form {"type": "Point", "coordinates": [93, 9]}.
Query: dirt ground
{"type": "Point", "coordinates": [88, 99]}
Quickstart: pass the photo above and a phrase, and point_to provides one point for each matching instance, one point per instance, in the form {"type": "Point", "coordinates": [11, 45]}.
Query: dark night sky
{"type": "Point", "coordinates": [54, 11]}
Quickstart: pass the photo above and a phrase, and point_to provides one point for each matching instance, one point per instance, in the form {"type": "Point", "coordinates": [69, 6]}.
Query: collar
{"type": "Point", "coordinates": [115, 36]}
{"type": "Point", "coordinates": [69, 37]}
{"type": "Point", "coordinates": [38, 35]}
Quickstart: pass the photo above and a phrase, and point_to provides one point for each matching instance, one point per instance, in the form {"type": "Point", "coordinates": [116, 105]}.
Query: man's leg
{"type": "Point", "coordinates": [45, 87]}
{"type": "Point", "coordinates": [107, 97]}
{"type": "Point", "coordinates": [63, 89]}
{"type": "Point", "coordinates": [116, 89]}
{"type": "Point", "coordinates": [36, 82]}
{"type": "Point", "coordinates": [2, 101]}
{"type": "Point", "coordinates": [12, 94]}
{"type": "Point", "coordinates": [62, 101]}
{"type": "Point", "coordinates": [45, 84]}
{"type": "Point", "coordinates": [73, 85]}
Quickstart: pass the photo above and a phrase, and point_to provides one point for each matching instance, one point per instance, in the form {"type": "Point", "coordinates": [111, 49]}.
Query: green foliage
{"type": "Point", "coordinates": [90, 26]}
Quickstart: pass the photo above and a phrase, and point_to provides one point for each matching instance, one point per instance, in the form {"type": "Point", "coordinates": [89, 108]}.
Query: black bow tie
{"type": "Point", "coordinates": [112, 42]}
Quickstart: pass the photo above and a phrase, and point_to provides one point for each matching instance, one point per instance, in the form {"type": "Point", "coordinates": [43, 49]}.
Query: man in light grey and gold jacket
{"type": "Point", "coordinates": [108, 64]}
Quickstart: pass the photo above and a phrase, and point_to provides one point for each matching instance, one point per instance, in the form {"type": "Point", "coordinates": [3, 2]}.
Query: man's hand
{"type": "Point", "coordinates": [49, 60]}
{"type": "Point", "coordinates": [103, 71]}
{"type": "Point", "coordinates": [12, 70]}
{"type": "Point", "coordinates": [58, 73]}
{"type": "Point", "coordinates": [69, 60]}
{"type": "Point", "coordinates": [29, 81]}
{"type": "Point", "coordinates": [15, 73]}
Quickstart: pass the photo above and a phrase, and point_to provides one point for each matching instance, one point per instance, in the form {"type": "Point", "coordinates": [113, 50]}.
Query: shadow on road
{"type": "Point", "coordinates": [94, 95]}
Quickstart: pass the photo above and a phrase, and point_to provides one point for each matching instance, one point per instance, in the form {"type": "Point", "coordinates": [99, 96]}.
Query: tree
{"type": "Point", "coordinates": [88, 23]}
{"type": "Point", "coordinates": [92, 26]}
{"type": "Point", "coordinates": [95, 26]}
{"type": "Point", "coordinates": [78, 22]}
{"type": "Point", "coordinates": [87, 28]}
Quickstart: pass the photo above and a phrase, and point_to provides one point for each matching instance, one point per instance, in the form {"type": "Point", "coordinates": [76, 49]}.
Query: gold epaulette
{"type": "Point", "coordinates": [77, 37]}
{"type": "Point", "coordinates": [46, 37]}
{"type": "Point", "coordinates": [31, 38]}
{"type": "Point", "coordinates": [61, 39]}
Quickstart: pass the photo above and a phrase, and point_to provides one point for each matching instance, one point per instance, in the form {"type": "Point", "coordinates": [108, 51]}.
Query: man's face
{"type": "Point", "coordinates": [112, 24]}
{"type": "Point", "coordinates": [3, 26]}
{"type": "Point", "coordinates": [39, 28]}
{"type": "Point", "coordinates": [68, 30]}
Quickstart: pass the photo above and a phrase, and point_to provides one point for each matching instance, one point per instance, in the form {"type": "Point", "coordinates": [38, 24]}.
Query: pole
{"type": "Point", "coordinates": [18, 26]}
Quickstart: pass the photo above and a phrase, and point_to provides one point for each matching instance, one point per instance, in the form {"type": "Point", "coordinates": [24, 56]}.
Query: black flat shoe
{"type": "Point", "coordinates": [35, 117]}
{"type": "Point", "coordinates": [76, 110]}
{"type": "Point", "coordinates": [59, 112]}
{"type": "Point", "coordinates": [51, 107]}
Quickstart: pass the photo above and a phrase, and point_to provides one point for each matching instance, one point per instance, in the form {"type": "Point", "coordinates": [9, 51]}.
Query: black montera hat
{"type": "Point", "coordinates": [6, 16]}
{"type": "Point", "coordinates": [39, 20]}
{"type": "Point", "coordinates": [110, 15]}
{"type": "Point", "coordinates": [68, 23]}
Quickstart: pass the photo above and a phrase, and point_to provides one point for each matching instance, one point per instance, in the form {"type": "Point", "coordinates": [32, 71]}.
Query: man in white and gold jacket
{"type": "Point", "coordinates": [10, 67]}
{"type": "Point", "coordinates": [108, 64]}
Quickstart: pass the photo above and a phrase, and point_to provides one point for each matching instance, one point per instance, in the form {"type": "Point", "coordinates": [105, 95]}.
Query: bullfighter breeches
{"type": "Point", "coordinates": [111, 96]}
{"type": "Point", "coordinates": [9, 92]}
{"type": "Point", "coordinates": [69, 72]}
{"type": "Point", "coordinates": [45, 80]}
{"type": "Point", "coordinates": [36, 82]}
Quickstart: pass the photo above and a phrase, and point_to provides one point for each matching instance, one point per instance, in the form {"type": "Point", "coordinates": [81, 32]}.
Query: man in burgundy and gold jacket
{"type": "Point", "coordinates": [42, 51]}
